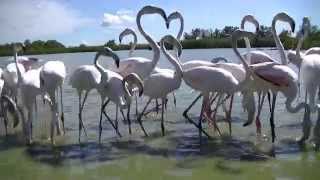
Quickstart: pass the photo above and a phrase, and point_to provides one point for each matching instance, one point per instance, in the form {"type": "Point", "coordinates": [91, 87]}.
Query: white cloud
{"type": "Point", "coordinates": [37, 19]}
{"type": "Point", "coordinates": [120, 19]}
{"type": "Point", "coordinates": [84, 42]}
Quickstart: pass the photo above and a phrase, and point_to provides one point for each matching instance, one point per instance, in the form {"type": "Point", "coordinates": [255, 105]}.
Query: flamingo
{"type": "Point", "coordinates": [143, 67]}
{"type": "Point", "coordinates": [29, 85]}
{"type": "Point", "coordinates": [126, 32]}
{"type": "Point", "coordinates": [115, 87]}
{"type": "Point", "coordinates": [310, 70]}
{"type": "Point", "coordinates": [159, 85]}
{"type": "Point", "coordinates": [256, 57]}
{"type": "Point", "coordinates": [108, 84]}
{"type": "Point", "coordinates": [197, 78]}
{"type": "Point", "coordinates": [52, 75]}
{"type": "Point", "coordinates": [275, 77]}
{"type": "Point", "coordinates": [84, 79]}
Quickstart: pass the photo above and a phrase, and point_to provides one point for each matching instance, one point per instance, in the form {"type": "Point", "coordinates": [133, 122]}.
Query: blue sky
{"type": "Point", "coordinates": [96, 21]}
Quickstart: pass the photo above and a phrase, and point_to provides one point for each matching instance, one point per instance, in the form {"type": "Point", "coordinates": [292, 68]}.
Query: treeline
{"type": "Point", "coordinates": [196, 39]}
{"type": "Point", "coordinates": [208, 38]}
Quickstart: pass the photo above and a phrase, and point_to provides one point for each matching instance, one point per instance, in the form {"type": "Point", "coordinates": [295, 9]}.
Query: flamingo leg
{"type": "Point", "coordinates": [116, 121]}
{"type": "Point", "coordinates": [128, 118]}
{"type": "Point", "coordinates": [185, 114]}
{"type": "Point", "coordinates": [140, 116]}
{"type": "Point", "coordinates": [229, 114]}
{"type": "Point", "coordinates": [61, 107]}
{"type": "Point", "coordinates": [157, 106]}
{"type": "Point", "coordinates": [122, 114]}
{"type": "Point", "coordinates": [80, 118]}
{"type": "Point", "coordinates": [29, 126]}
{"type": "Point", "coordinates": [213, 98]}
{"type": "Point", "coordinates": [82, 106]}
{"type": "Point", "coordinates": [162, 112]}
{"type": "Point", "coordinates": [204, 101]}
{"type": "Point", "coordinates": [260, 105]}
{"type": "Point", "coordinates": [213, 118]}
{"type": "Point", "coordinates": [273, 134]}
{"type": "Point", "coordinates": [165, 103]}
{"type": "Point", "coordinates": [174, 99]}
{"type": "Point", "coordinates": [109, 119]}
{"type": "Point", "coordinates": [136, 97]}
{"type": "Point", "coordinates": [306, 123]}
{"type": "Point", "coordinates": [5, 118]}
{"type": "Point", "coordinates": [316, 132]}
{"type": "Point", "coordinates": [269, 100]}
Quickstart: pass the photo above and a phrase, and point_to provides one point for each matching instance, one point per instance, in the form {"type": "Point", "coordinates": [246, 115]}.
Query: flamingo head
{"type": "Point", "coordinates": [305, 29]}
{"type": "Point", "coordinates": [251, 19]}
{"type": "Point", "coordinates": [239, 34]}
{"type": "Point", "coordinates": [173, 16]}
{"type": "Point", "coordinates": [173, 41]}
{"type": "Point", "coordinates": [286, 18]}
{"type": "Point", "coordinates": [106, 51]}
{"type": "Point", "coordinates": [294, 58]}
{"type": "Point", "coordinates": [154, 10]}
{"type": "Point", "coordinates": [17, 47]}
{"type": "Point", "coordinates": [128, 83]}
{"type": "Point", "coordinates": [126, 32]}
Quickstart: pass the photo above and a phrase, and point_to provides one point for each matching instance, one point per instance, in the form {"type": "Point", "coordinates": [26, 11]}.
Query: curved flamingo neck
{"type": "Point", "coordinates": [172, 60]}
{"type": "Point", "coordinates": [98, 66]}
{"type": "Point", "coordinates": [134, 44]}
{"type": "Point", "coordinates": [299, 45]}
{"type": "Point", "coordinates": [278, 42]}
{"type": "Point", "coordinates": [246, 40]}
{"type": "Point", "coordinates": [179, 34]}
{"type": "Point", "coordinates": [245, 64]}
{"type": "Point", "coordinates": [181, 26]}
{"type": "Point", "coordinates": [152, 43]}
{"type": "Point", "coordinates": [15, 55]}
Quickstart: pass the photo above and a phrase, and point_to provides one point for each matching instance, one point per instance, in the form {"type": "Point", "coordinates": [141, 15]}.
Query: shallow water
{"type": "Point", "coordinates": [178, 155]}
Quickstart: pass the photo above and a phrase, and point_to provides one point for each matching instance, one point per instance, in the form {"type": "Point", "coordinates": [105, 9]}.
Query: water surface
{"type": "Point", "coordinates": [178, 155]}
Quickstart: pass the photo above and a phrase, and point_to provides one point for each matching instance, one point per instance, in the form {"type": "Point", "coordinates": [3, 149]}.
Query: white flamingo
{"type": "Point", "coordinates": [274, 77]}
{"type": "Point", "coordinates": [159, 85]}
{"type": "Point", "coordinates": [261, 57]}
{"type": "Point", "coordinates": [143, 67]}
{"type": "Point", "coordinates": [108, 84]}
{"type": "Point", "coordinates": [52, 75]}
{"type": "Point", "coordinates": [116, 88]}
{"type": "Point", "coordinates": [197, 78]}
{"type": "Point", "coordinates": [310, 70]}
{"type": "Point", "coordinates": [29, 85]}
{"type": "Point", "coordinates": [239, 73]}
{"type": "Point", "coordinates": [84, 79]}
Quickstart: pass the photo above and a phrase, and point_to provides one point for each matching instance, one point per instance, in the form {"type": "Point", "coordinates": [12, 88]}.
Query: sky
{"type": "Point", "coordinates": [94, 22]}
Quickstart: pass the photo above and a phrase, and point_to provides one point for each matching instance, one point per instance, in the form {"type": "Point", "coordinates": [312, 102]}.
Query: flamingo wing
{"type": "Point", "coordinates": [273, 74]}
